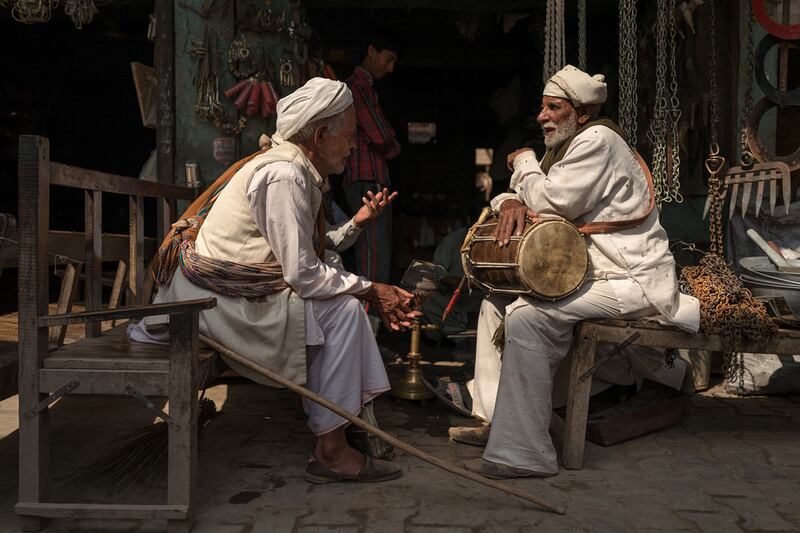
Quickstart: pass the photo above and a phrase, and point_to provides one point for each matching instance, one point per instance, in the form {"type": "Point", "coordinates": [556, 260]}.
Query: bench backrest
{"type": "Point", "coordinates": [36, 176]}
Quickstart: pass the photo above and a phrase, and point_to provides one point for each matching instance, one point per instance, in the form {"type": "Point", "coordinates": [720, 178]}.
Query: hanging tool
{"type": "Point", "coordinates": [759, 174]}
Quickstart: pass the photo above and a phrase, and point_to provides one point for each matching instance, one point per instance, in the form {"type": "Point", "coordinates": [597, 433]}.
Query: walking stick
{"type": "Point", "coordinates": [391, 439]}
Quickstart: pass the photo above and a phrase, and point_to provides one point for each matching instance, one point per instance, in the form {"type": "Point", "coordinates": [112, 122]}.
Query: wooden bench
{"type": "Point", "coordinates": [99, 364]}
{"type": "Point", "coordinates": [572, 428]}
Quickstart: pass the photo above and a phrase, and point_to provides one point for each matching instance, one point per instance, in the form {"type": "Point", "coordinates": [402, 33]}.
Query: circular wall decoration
{"type": "Point", "coordinates": [773, 93]}
{"type": "Point", "coordinates": [754, 141]}
{"type": "Point", "coordinates": [787, 32]}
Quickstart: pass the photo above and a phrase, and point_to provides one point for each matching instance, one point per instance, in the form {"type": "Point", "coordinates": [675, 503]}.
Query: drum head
{"type": "Point", "coordinates": [553, 259]}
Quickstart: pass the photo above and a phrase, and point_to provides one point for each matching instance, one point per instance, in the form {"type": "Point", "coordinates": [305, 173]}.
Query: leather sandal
{"type": "Point", "coordinates": [500, 471]}
{"type": "Point", "coordinates": [373, 471]}
{"type": "Point", "coordinates": [474, 436]}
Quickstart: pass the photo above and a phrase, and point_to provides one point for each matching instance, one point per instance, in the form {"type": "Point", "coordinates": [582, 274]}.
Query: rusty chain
{"type": "Point", "coordinates": [726, 307]}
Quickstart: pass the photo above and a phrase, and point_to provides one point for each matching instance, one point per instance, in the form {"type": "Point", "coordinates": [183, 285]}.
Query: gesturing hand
{"type": "Point", "coordinates": [373, 205]}
{"type": "Point", "coordinates": [511, 221]}
{"type": "Point", "coordinates": [513, 155]}
{"type": "Point", "coordinates": [393, 305]}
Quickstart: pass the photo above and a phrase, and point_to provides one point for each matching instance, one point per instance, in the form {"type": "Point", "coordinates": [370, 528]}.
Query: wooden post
{"type": "Point", "coordinates": [182, 462]}
{"type": "Point", "coordinates": [165, 112]}
{"type": "Point", "coordinates": [136, 269]}
{"type": "Point", "coordinates": [34, 204]}
{"type": "Point", "coordinates": [93, 228]}
{"type": "Point", "coordinates": [578, 397]}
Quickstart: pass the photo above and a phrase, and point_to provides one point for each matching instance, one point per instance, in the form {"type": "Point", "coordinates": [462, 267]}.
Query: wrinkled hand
{"type": "Point", "coordinates": [511, 221]}
{"type": "Point", "coordinates": [513, 155]}
{"type": "Point", "coordinates": [393, 305]}
{"type": "Point", "coordinates": [373, 205]}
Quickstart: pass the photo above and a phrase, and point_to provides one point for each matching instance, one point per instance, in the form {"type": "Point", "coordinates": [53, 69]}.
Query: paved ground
{"type": "Point", "coordinates": [734, 465]}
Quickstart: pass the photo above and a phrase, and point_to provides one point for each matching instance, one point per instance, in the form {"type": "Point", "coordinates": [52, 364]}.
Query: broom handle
{"type": "Point", "coordinates": [391, 439]}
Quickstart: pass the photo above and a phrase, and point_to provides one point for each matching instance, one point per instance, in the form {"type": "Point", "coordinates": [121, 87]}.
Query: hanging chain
{"type": "Point", "coordinates": [712, 73]}
{"type": "Point", "coordinates": [628, 70]}
{"type": "Point", "coordinates": [746, 157]}
{"type": "Point", "coordinates": [674, 174]}
{"type": "Point", "coordinates": [553, 38]}
{"type": "Point", "coordinates": [582, 35]}
{"type": "Point", "coordinates": [658, 126]}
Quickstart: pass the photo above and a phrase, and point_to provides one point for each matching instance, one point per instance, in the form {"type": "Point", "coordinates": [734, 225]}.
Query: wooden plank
{"type": "Point", "coordinates": [69, 288]}
{"type": "Point", "coordinates": [71, 244]}
{"type": "Point", "coordinates": [9, 372]}
{"type": "Point", "coordinates": [578, 397]}
{"type": "Point", "coordinates": [116, 287]}
{"type": "Point", "coordinates": [112, 382]}
{"type": "Point", "coordinates": [165, 110]}
{"type": "Point", "coordinates": [183, 406]}
{"type": "Point", "coordinates": [34, 202]}
{"type": "Point", "coordinates": [786, 342]}
{"type": "Point", "coordinates": [622, 427]}
{"type": "Point", "coordinates": [99, 510]}
{"type": "Point", "coordinates": [136, 262]}
{"type": "Point", "coordinates": [93, 230]}
{"type": "Point", "coordinates": [93, 180]}
{"type": "Point", "coordinates": [138, 311]}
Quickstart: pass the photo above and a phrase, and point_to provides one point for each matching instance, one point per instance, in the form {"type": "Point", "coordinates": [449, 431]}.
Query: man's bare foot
{"type": "Point", "coordinates": [334, 453]}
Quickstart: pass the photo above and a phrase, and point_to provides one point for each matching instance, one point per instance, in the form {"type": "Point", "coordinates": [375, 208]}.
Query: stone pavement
{"type": "Point", "coordinates": [734, 465]}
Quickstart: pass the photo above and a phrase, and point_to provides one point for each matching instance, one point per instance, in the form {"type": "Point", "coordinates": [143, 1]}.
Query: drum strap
{"type": "Point", "coordinates": [591, 228]}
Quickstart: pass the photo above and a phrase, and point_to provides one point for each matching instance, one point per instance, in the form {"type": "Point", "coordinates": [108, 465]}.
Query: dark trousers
{"type": "Point", "coordinates": [373, 249]}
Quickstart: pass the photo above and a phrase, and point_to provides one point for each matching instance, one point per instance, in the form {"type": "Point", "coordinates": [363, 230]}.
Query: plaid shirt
{"type": "Point", "coordinates": [376, 141]}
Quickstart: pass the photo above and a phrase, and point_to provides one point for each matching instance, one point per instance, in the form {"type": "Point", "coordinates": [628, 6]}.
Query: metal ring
{"type": "Point", "coordinates": [773, 93]}
{"type": "Point", "coordinates": [788, 32]}
{"type": "Point", "coordinates": [754, 141]}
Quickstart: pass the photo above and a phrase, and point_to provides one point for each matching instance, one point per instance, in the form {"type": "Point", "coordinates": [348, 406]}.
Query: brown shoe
{"type": "Point", "coordinates": [500, 471]}
{"type": "Point", "coordinates": [373, 471]}
{"type": "Point", "coordinates": [474, 436]}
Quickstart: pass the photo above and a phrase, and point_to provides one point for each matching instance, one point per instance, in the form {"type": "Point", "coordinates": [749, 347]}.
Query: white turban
{"type": "Point", "coordinates": [319, 98]}
{"type": "Point", "coordinates": [578, 87]}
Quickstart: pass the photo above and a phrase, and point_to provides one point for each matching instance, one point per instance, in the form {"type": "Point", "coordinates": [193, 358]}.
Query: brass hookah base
{"type": "Point", "coordinates": [408, 384]}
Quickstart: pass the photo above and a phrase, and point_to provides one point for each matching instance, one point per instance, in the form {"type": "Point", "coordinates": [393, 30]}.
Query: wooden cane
{"type": "Point", "coordinates": [391, 439]}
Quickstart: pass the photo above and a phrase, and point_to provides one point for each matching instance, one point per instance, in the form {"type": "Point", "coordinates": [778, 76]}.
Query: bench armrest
{"type": "Point", "coordinates": [137, 311]}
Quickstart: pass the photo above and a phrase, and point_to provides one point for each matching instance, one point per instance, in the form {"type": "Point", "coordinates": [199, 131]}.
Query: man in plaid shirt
{"type": "Point", "coordinates": [376, 143]}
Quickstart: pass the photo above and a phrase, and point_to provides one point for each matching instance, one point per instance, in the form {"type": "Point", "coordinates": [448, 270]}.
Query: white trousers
{"type": "Point", "coordinates": [514, 390]}
{"type": "Point", "coordinates": [347, 369]}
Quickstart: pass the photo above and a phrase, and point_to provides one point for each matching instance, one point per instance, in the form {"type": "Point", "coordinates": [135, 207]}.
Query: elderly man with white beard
{"type": "Point", "coordinates": [259, 253]}
{"type": "Point", "coordinates": [588, 174]}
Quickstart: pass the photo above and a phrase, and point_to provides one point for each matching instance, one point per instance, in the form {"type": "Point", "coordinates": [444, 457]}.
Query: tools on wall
{"type": "Point", "coordinates": [269, 55]}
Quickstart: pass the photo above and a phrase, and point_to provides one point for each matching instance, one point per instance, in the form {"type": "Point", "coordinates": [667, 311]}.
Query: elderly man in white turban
{"type": "Point", "coordinates": [588, 174]}
{"type": "Point", "coordinates": [308, 325]}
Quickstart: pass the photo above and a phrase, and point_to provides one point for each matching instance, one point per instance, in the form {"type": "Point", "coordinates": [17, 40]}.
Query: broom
{"type": "Point", "coordinates": [139, 456]}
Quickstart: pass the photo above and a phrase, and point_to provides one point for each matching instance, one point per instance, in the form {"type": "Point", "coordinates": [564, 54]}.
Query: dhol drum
{"type": "Point", "coordinates": [548, 261]}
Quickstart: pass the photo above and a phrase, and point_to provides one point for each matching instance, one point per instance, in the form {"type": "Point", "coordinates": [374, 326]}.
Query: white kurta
{"type": "Point", "coordinates": [267, 213]}
{"type": "Point", "coordinates": [632, 275]}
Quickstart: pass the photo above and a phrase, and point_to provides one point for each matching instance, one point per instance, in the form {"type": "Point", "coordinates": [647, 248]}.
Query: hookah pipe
{"type": "Point", "coordinates": [456, 295]}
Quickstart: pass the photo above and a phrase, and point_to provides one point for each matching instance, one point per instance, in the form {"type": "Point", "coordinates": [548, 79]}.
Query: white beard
{"type": "Point", "coordinates": [562, 132]}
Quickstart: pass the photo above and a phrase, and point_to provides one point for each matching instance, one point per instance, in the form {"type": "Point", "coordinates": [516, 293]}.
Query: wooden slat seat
{"type": "Point", "coordinates": [114, 351]}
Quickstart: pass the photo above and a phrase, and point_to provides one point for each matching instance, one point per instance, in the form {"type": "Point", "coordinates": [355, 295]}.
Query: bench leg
{"type": "Point", "coordinates": [578, 399]}
{"type": "Point", "coordinates": [183, 408]}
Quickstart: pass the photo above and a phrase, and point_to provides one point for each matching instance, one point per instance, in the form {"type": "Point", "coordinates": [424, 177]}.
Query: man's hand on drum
{"type": "Point", "coordinates": [511, 221]}
{"type": "Point", "coordinates": [393, 305]}
{"type": "Point", "coordinates": [373, 205]}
